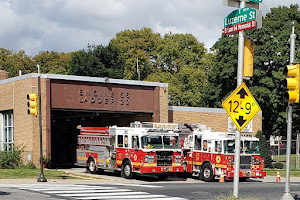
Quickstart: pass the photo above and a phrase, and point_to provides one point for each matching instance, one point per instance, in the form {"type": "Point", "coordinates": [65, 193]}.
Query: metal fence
{"type": "Point", "coordinates": [278, 151]}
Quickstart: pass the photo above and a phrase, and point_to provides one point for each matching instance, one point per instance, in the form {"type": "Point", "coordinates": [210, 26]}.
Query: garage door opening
{"type": "Point", "coordinates": [64, 130]}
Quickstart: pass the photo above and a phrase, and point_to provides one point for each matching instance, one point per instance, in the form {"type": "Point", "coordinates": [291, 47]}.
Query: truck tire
{"type": "Point", "coordinates": [91, 167]}
{"type": "Point", "coordinates": [207, 172]}
{"type": "Point", "coordinates": [126, 170]}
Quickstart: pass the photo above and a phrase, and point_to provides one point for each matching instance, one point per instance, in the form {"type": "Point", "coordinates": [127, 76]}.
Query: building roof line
{"type": "Point", "coordinates": [86, 79]}
{"type": "Point", "coordinates": [200, 109]}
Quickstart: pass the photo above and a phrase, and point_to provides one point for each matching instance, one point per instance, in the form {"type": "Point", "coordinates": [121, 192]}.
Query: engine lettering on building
{"type": "Point", "coordinates": [102, 97]}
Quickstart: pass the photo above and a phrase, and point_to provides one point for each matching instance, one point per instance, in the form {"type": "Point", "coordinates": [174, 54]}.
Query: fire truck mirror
{"type": "Point", "coordinates": [134, 142]}
{"type": "Point", "coordinates": [218, 146]}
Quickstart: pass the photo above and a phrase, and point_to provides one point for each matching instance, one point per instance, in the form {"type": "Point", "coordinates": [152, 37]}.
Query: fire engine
{"type": "Point", "coordinates": [148, 148]}
{"type": "Point", "coordinates": [208, 154]}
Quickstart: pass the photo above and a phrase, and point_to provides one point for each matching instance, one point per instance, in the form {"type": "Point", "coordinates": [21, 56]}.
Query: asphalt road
{"type": "Point", "coordinates": [114, 187]}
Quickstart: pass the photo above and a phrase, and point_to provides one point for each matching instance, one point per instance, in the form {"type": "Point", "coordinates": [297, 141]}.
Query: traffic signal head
{"type": "Point", "coordinates": [32, 104]}
{"type": "Point", "coordinates": [292, 83]}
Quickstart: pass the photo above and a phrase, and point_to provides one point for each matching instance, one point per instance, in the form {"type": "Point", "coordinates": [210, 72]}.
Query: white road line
{"type": "Point", "coordinates": [137, 185]}
{"type": "Point", "coordinates": [126, 197]}
{"type": "Point", "coordinates": [103, 194]}
{"type": "Point", "coordinates": [70, 189]}
{"type": "Point", "coordinates": [86, 191]}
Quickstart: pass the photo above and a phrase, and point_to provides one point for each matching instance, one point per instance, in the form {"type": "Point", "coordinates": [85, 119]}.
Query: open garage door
{"type": "Point", "coordinates": [64, 130]}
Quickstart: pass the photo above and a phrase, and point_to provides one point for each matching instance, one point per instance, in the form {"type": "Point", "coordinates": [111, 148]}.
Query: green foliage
{"type": "Point", "coordinates": [264, 148]}
{"type": "Point", "coordinates": [53, 62]}
{"type": "Point", "coordinates": [13, 62]}
{"type": "Point", "coordinates": [97, 61]}
{"type": "Point", "coordinates": [278, 165]}
{"type": "Point", "coordinates": [177, 50]}
{"type": "Point", "coordinates": [271, 54]}
{"type": "Point", "coordinates": [29, 165]}
{"type": "Point", "coordinates": [11, 160]}
{"type": "Point", "coordinates": [137, 46]}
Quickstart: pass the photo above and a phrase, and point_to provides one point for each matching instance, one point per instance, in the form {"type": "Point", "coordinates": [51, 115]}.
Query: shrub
{"type": "Point", "coordinates": [29, 165]}
{"type": "Point", "coordinates": [278, 165]}
{"type": "Point", "coordinates": [11, 160]}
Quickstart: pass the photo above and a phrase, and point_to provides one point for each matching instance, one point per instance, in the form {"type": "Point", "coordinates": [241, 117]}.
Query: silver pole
{"type": "Point", "coordinates": [297, 152]}
{"type": "Point", "coordinates": [236, 177]}
{"type": "Point", "coordinates": [287, 195]}
{"type": "Point", "coordinates": [42, 177]}
{"type": "Point", "coordinates": [278, 149]}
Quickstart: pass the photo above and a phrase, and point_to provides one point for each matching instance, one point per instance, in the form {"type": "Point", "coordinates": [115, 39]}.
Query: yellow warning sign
{"type": "Point", "coordinates": [241, 106]}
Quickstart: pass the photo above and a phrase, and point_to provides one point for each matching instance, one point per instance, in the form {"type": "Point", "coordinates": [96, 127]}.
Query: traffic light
{"type": "Point", "coordinates": [292, 82]}
{"type": "Point", "coordinates": [32, 104]}
{"type": "Point", "coordinates": [248, 58]}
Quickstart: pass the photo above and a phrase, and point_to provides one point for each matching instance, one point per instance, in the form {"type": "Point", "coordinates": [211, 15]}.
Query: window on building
{"type": "Point", "coordinates": [6, 131]}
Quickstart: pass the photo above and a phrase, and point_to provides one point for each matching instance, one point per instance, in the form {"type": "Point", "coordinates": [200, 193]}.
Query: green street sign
{"type": "Point", "coordinates": [256, 1]}
{"type": "Point", "coordinates": [240, 16]}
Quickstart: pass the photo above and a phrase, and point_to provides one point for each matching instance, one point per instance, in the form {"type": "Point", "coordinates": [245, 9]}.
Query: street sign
{"type": "Point", "coordinates": [236, 3]}
{"type": "Point", "coordinates": [241, 106]}
{"type": "Point", "coordinates": [239, 16]}
{"type": "Point", "coordinates": [242, 19]}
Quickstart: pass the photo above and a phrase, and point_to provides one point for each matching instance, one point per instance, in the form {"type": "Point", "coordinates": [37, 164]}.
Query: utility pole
{"type": "Point", "coordinates": [240, 69]}
{"type": "Point", "coordinates": [42, 177]}
{"type": "Point", "coordinates": [287, 195]}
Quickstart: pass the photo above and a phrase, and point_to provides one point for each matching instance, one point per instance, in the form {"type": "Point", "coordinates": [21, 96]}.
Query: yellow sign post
{"type": "Point", "coordinates": [241, 106]}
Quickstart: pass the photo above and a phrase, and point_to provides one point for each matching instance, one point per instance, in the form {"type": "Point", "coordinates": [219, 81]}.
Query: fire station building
{"type": "Point", "coordinates": [68, 101]}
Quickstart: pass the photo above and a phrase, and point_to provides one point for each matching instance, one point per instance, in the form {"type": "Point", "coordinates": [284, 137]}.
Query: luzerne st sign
{"type": "Point", "coordinates": [242, 19]}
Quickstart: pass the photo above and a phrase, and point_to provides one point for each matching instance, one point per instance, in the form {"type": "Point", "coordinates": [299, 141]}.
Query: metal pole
{"type": "Point", "coordinates": [42, 177]}
{"type": "Point", "coordinates": [138, 70]}
{"type": "Point", "coordinates": [297, 152]}
{"type": "Point", "coordinates": [236, 177]}
{"type": "Point", "coordinates": [278, 148]}
{"type": "Point", "coordinates": [287, 194]}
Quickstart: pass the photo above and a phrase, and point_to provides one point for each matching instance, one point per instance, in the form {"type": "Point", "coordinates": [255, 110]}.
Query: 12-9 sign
{"type": "Point", "coordinates": [241, 106]}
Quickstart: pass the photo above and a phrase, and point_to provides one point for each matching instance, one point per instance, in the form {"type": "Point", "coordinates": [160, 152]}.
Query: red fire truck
{"type": "Point", "coordinates": [208, 154]}
{"type": "Point", "coordinates": [149, 148]}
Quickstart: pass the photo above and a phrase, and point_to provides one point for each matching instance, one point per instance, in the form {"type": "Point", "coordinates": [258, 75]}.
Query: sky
{"type": "Point", "coordinates": [69, 25]}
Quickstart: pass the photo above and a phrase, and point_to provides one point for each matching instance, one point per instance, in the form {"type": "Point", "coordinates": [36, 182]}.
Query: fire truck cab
{"type": "Point", "coordinates": [130, 150]}
{"type": "Point", "coordinates": [208, 154]}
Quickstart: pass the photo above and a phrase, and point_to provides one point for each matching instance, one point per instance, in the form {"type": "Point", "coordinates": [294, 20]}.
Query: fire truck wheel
{"type": "Point", "coordinates": [207, 173]}
{"type": "Point", "coordinates": [126, 171]}
{"type": "Point", "coordinates": [91, 168]}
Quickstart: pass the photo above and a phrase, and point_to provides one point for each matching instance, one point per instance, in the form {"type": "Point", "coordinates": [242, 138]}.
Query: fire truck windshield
{"type": "Point", "coordinates": [251, 147]}
{"type": "Point", "coordinates": [160, 142]}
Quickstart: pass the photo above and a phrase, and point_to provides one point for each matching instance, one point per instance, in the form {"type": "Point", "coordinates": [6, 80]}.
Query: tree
{"type": "Point", "coordinates": [53, 62]}
{"type": "Point", "coordinates": [264, 148]}
{"type": "Point", "coordinates": [137, 46]}
{"type": "Point", "coordinates": [97, 61]}
{"type": "Point", "coordinates": [13, 62]}
{"type": "Point", "coordinates": [271, 54]}
{"type": "Point", "coordinates": [177, 50]}
{"type": "Point", "coordinates": [185, 87]}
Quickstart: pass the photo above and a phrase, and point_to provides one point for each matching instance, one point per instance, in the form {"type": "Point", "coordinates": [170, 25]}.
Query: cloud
{"type": "Point", "coordinates": [69, 25]}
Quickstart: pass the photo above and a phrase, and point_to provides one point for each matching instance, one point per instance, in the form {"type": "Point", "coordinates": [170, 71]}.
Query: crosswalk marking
{"type": "Point", "coordinates": [86, 192]}
{"type": "Point", "coordinates": [126, 197]}
{"type": "Point", "coordinates": [102, 194]}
